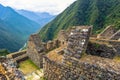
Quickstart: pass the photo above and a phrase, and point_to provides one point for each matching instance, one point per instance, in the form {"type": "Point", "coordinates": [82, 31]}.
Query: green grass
{"type": "Point", "coordinates": [28, 66]}
{"type": "Point", "coordinates": [116, 58]}
{"type": "Point", "coordinates": [4, 52]}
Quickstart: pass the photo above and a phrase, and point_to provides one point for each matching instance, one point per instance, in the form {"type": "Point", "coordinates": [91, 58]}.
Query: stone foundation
{"type": "Point", "coordinates": [102, 50]}
{"type": "Point", "coordinates": [79, 70]}
{"type": "Point", "coordinates": [18, 56]}
{"type": "Point", "coordinates": [108, 48]}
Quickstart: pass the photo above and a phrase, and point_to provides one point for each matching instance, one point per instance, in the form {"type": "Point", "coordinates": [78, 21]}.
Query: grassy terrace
{"type": "Point", "coordinates": [28, 66]}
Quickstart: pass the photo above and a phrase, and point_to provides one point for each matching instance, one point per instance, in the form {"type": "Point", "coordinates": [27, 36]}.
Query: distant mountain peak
{"type": "Point", "coordinates": [39, 17]}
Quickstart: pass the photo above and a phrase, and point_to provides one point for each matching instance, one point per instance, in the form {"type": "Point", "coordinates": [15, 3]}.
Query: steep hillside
{"type": "Point", "coordinates": [8, 39]}
{"type": "Point", "coordinates": [3, 52]}
{"type": "Point", "coordinates": [41, 18]}
{"type": "Point", "coordinates": [14, 29]}
{"type": "Point", "coordinates": [99, 13]}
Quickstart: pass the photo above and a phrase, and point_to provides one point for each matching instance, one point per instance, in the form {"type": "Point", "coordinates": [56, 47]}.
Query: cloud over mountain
{"type": "Point", "coordinates": [51, 6]}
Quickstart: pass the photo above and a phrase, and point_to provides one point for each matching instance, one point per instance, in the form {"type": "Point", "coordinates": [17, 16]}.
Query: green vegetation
{"type": "Point", "coordinates": [43, 78]}
{"type": "Point", "coordinates": [97, 45]}
{"type": "Point", "coordinates": [14, 29]}
{"type": "Point", "coordinates": [3, 52]}
{"type": "Point", "coordinates": [116, 58]}
{"type": "Point", "coordinates": [99, 13]}
{"type": "Point", "coordinates": [28, 66]}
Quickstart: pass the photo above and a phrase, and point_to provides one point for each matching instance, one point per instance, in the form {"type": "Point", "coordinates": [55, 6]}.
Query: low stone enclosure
{"type": "Point", "coordinates": [18, 56]}
{"type": "Point", "coordinates": [109, 33]}
{"type": "Point", "coordinates": [74, 55]}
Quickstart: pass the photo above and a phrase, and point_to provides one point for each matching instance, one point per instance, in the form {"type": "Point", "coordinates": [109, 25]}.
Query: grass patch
{"type": "Point", "coordinates": [116, 58]}
{"type": "Point", "coordinates": [4, 52]}
{"type": "Point", "coordinates": [28, 66]}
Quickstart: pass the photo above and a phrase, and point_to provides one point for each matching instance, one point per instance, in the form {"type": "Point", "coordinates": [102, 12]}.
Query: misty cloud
{"type": "Point", "coordinates": [51, 6]}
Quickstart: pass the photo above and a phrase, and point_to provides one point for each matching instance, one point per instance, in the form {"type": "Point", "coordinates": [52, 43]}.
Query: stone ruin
{"type": "Point", "coordinates": [69, 56]}
{"type": "Point", "coordinates": [107, 32]}
{"type": "Point", "coordinates": [36, 49]}
{"type": "Point", "coordinates": [18, 56]}
{"type": "Point", "coordinates": [73, 63]}
{"type": "Point", "coordinates": [106, 44]}
{"type": "Point", "coordinates": [115, 36]}
{"type": "Point", "coordinates": [9, 71]}
{"type": "Point", "coordinates": [77, 41]}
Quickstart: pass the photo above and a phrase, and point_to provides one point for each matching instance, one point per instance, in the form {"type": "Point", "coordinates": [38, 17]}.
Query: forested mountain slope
{"type": "Point", "coordinates": [99, 13]}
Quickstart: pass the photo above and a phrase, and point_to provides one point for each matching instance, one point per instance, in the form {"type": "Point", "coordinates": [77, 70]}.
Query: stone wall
{"type": "Point", "coordinates": [108, 48]}
{"type": "Point", "coordinates": [50, 45]}
{"type": "Point", "coordinates": [102, 50]}
{"type": "Point", "coordinates": [107, 32]}
{"type": "Point", "coordinates": [18, 56]}
{"type": "Point", "coordinates": [62, 37]}
{"type": "Point", "coordinates": [78, 41]}
{"type": "Point", "coordinates": [79, 70]}
{"type": "Point", "coordinates": [36, 49]}
{"type": "Point", "coordinates": [115, 36]}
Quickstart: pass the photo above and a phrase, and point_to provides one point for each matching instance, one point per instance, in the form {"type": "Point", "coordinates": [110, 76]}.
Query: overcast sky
{"type": "Point", "coordinates": [51, 6]}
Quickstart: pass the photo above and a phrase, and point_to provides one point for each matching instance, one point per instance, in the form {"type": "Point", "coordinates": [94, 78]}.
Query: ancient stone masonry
{"type": "Point", "coordinates": [72, 56]}
{"type": "Point", "coordinates": [67, 63]}
{"type": "Point", "coordinates": [62, 37]}
{"type": "Point", "coordinates": [115, 36]}
{"type": "Point", "coordinates": [104, 48]}
{"type": "Point", "coordinates": [107, 32]}
{"type": "Point", "coordinates": [36, 49]}
{"type": "Point", "coordinates": [77, 41]}
{"type": "Point", "coordinates": [89, 68]}
{"type": "Point", "coordinates": [18, 56]}
{"type": "Point", "coordinates": [8, 70]}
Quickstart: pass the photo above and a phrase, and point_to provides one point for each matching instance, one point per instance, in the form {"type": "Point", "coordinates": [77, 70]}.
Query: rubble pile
{"type": "Point", "coordinates": [9, 70]}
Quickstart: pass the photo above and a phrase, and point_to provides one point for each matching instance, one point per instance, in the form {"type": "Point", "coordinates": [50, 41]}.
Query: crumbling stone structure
{"type": "Point", "coordinates": [72, 56]}
{"type": "Point", "coordinates": [115, 36]}
{"type": "Point", "coordinates": [107, 32]}
{"type": "Point", "coordinates": [9, 71]}
{"type": "Point", "coordinates": [62, 37]}
{"type": "Point", "coordinates": [36, 50]}
{"type": "Point", "coordinates": [104, 48]}
{"type": "Point", "coordinates": [62, 64]}
{"type": "Point", "coordinates": [18, 56]}
{"type": "Point", "coordinates": [77, 41]}
{"type": "Point", "coordinates": [87, 68]}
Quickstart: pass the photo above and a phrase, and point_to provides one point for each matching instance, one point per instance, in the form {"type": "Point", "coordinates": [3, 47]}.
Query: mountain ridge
{"type": "Point", "coordinates": [99, 13]}
{"type": "Point", "coordinates": [40, 17]}
{"type": "Point", "coordinates": [14, 29]}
